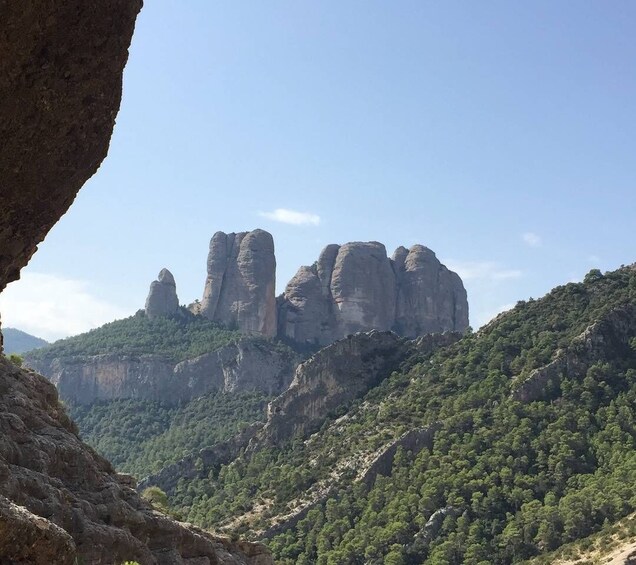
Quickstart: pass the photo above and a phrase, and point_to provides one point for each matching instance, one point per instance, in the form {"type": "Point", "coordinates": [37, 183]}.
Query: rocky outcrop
{"type": "Point", "coordinates": [162, 299]}
{"type": "Point", "coordinates": [414, 441]}
{"type": "Point", "coordinates": [356, 287]}
{"type": "Point", "coordinates": [61, 69]}
{"type": "Point", "coordinates": [430, 298]}
{"type": "Point", "coordinates": [245, 365]}
{"type": "Point", "coordinates": [48, 471]}
{"type": "Point", "coordinates": [27, 538]}
{"type": "Point", "coordinates": [240, 285]}
{"type": "Point", "coordinates": [333, 377]}
{"type": "Point", "coordinates": [607, 339]}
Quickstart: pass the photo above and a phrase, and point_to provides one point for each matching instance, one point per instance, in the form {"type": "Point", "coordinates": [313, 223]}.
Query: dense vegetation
{"type": "Point", "coordinates": [140, 437]}
{"type": "Point", "coordinates": [516, 479]}
{"type": "Point", "coordinates": [178, 337]}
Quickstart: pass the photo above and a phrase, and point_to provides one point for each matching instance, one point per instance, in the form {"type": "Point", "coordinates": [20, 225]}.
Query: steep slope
{"type": "Point", "coordinates": [507, 444]}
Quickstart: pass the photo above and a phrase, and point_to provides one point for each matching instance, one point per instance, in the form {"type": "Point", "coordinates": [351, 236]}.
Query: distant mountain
{"type": "Point", "coordinates": [17, 341]}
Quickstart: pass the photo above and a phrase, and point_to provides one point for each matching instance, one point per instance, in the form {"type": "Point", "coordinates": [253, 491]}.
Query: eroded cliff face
{"type": "Point", "coordinates": [334, 377]}
{"type": "Point", "coordinates": [245, 365]}
{"type": "Point", "coordinates": [240, 285]}
{"type": "Point", "coordinates": [356, 287]}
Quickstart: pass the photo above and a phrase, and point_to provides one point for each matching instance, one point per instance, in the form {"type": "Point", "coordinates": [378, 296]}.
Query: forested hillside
{"type": "Point", "coordinates": [177, 337]}
{"type": "Point", "coordinates": [533, 435]}
{"type": "Point", "coordinates": [140, 437]}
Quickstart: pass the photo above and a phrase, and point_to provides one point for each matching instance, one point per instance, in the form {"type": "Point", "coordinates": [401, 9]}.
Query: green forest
{"type": "Point", "coordinates": [513, 480]}
{"type": "Point", "coordinates": [178, 337]}
{"type": "Point", "coordinates": [140, 437]}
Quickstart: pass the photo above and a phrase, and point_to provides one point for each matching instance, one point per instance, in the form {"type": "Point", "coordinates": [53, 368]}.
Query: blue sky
{"type": "Point", "coordinates": [499, 134]}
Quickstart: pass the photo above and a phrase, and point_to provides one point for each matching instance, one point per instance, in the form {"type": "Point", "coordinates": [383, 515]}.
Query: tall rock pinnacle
{"type": "Point", "coordinates": [240, 285]}
{"type": "Point", "coordinates": [162, 299]}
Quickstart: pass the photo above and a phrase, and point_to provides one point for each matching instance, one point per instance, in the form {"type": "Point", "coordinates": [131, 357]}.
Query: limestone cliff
{"type": "Point", "coordinates": [334, 377]}
{"type": "Point", "coordinates": [356, 287]}
{"type": "Point", "coordinates": [240, 285]}
{"type": "Point", "coordinates": [244, 365]}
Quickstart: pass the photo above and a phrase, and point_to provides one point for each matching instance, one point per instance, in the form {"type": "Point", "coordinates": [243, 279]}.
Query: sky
{"type": "Point", "coordinates": [502, 135]}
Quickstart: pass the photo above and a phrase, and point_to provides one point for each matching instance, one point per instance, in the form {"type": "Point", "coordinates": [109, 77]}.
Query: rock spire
{"type": "Point", "coordinates": [240, 284]}
{"type": "Point", "coordinates": [162, 299]}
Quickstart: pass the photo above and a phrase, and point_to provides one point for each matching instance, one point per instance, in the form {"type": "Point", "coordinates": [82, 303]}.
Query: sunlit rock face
{"type": "Point", "coordinates": [356, 287]}
{"type": "Point", "coordinates": [240, 285]}
{"type": "Point", "coordinates": [162, 298]}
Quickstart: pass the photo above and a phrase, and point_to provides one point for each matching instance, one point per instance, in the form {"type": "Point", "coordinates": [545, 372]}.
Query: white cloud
{"type": "Point", "coordinates": [531, 239]}
{"type": "Point", "coordinates": [53, 307]}
{"type": "Point", "coordinates": [292, 217]}
{"type": "Point", "coordinates": [482, 270]}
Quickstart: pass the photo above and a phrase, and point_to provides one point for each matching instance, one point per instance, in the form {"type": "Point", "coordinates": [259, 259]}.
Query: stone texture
{"type": "Point", "coordinates": [27, 538]}
{"type": "Point", "coordinates": [245, 365]}
{"type": "Point", "coordinates": [162, 299]}
{"type": "Point", "coordinates": [240, 285]}
{"type": "Point", "coordinates": [45, 468]}
{"type": "Point", "coordinates": [356, 287]}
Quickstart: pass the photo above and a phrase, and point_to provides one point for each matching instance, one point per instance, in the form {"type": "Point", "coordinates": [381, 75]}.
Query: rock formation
{"type": "Point", "coordinates": [356, 287]}
{"type": "Point", "coordinates": [162, 299]}
{"type": "Point", "coordinates": [241, 366]}
{"type": "Point", "coordinates": [240, 285]}
{"type": "Point", "coordinates": [607, 339]}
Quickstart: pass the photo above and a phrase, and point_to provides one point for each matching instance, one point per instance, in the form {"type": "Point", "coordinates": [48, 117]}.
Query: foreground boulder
{"type": "Point", "coordinates": [61, 67]}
